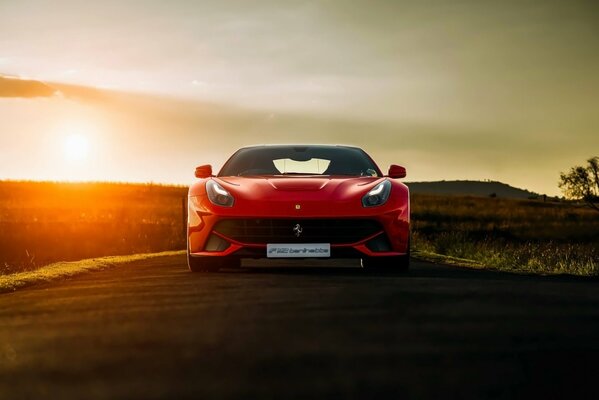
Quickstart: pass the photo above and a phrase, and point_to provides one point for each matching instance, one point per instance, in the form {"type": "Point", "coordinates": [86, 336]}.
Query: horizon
{"type": "Point", "coordinates": [142, 92]}
{"type": "Point", "coordinates": [185, 185]}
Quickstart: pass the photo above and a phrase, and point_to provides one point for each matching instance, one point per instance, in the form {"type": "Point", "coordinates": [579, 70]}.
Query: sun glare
{"type": "Point", "coordinates": [76, 147]}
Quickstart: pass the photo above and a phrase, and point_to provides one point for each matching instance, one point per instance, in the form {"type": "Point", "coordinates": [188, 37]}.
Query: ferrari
{"type": "Point", "coordinates": [298, 201]}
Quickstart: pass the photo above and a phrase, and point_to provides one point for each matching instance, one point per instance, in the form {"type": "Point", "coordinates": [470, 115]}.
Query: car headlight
{"type": "Point", "coordinates": [218, 195]}
{"type": "Point", "coordinates": [378, 195]}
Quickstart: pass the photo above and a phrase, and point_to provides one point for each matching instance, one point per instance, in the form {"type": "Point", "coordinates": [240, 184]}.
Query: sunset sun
{"type": "Point", "coordinates": [76, 147]}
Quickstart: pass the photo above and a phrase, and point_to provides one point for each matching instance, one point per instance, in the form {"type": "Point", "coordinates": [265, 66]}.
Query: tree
{"type": "Point", "coordinates": [582, 183]}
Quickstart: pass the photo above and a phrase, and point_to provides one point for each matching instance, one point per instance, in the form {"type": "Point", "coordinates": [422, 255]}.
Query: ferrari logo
{"type": "Point", "coordinates": [298, 207]}
{"type": "Point", "coordinates": [297, 230]}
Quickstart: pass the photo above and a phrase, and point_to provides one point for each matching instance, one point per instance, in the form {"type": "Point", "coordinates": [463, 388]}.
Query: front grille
{"type": "Point", "coordinates": [312, 230]}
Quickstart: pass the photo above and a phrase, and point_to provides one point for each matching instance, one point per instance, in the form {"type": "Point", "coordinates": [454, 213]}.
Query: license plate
{"type": "Point", "coordinates": [298, 250]}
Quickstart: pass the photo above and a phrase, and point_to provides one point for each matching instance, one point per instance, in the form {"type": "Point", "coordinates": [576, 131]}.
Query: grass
{"type": "Point", "coordinates": [526, 236]}
{"type": "Point", "coordinates": [43, 223]}
{"type": "Point", "coordinates": [61, 270]}
{"type": "Point", "coordinates": [443, 259]}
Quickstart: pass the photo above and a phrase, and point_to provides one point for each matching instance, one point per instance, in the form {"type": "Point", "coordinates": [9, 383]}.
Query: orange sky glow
{"type": "Point", "coordinates": [145, 91]}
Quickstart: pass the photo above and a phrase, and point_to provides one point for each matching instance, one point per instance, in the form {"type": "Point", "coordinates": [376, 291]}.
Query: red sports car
{"type": "Point", "coordinates": [290, 201]}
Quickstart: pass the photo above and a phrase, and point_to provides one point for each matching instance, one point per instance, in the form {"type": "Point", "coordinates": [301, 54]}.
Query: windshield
{"type": "Point", "coordinates": [300, 160]}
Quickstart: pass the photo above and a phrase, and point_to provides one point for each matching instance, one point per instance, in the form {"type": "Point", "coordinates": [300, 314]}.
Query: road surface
{"type": "Point", "coordinates": [153, 330]}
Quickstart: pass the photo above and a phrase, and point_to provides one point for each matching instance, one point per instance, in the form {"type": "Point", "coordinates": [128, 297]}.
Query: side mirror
{"type": "Point", "coordinates": [204, 171]}
{"type": "Point", "coordinates": [397, 171]}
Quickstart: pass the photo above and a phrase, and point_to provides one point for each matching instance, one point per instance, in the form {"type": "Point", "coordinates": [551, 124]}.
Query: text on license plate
{"type": "Point", "coordinates": [300, 250]}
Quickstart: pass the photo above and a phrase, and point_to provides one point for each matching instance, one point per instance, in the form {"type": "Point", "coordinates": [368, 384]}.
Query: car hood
{"type": "Point", "coordinates": [268, 186]}
{"type": "Point", "coordinates": [307, 195]}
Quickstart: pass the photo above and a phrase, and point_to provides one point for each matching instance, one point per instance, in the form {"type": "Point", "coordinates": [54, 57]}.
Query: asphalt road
{"type": "Point", "coordinates": [153, 330]}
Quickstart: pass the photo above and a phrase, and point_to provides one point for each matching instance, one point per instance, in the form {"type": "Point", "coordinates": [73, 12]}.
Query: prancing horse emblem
{"type": "Point", "coordinates": [297, 230]}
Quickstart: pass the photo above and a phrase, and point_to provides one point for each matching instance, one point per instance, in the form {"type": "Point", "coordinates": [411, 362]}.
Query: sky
{"type": "Point", "coordinates": [505, 91]}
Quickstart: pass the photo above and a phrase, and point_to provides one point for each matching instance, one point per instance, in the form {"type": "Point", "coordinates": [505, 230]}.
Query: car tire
{"type": "Point", "coordinates": [211, 264]}
{"type": "Point", "coordinates": [387, 264]}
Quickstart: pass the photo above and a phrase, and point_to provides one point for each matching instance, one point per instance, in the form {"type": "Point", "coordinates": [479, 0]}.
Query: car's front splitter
{"type": "Point", "coordinates": [258, 250]}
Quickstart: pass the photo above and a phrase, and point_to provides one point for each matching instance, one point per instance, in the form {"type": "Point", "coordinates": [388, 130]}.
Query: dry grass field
{"type": "Point", "coordinates": [517, 235]}
{"type": "Point", "coordinates": [44, 222]}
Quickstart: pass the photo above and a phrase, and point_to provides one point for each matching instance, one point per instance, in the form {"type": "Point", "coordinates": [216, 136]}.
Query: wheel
{"type": "Point", "coordinates": [387, 264]}
{"type": "Point", "coordinates": [211, 264]}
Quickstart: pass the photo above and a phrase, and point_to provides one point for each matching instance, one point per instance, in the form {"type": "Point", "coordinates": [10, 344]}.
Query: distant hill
{"type": "Point", "coordinates": [470, 188]}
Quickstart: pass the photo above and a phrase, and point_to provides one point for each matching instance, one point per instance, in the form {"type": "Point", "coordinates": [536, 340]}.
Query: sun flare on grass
{"type": "Point", "coordinates": [76, 147]}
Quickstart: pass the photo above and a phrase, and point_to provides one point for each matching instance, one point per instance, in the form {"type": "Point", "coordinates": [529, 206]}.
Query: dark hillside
{"type": "Point", "coordinates": [470, 188]}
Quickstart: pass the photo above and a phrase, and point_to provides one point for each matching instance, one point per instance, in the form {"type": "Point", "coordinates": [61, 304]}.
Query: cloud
{"type": "Point", "coordinates": [25, 88]}
{"type": "Point", "coordinates": [145, 137]}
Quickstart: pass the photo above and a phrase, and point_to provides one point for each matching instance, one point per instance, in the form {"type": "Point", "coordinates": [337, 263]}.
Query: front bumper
{"type": "Point", "coordinates": [211, 234]}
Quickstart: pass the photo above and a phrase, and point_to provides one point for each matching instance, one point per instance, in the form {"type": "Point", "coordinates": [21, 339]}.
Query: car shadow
{"type": "Point", "coordinates": [418, 269]}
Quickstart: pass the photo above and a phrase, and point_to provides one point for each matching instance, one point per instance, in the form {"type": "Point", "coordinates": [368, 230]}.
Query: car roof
{"type": "Point", "coordinates": [322, 146]}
